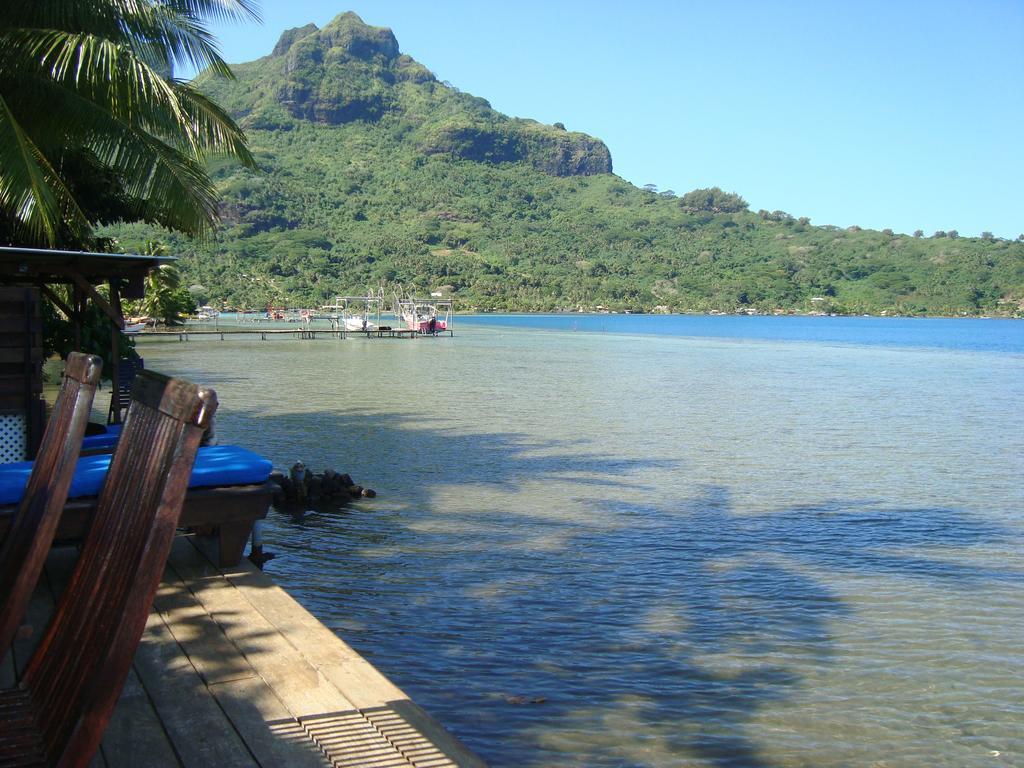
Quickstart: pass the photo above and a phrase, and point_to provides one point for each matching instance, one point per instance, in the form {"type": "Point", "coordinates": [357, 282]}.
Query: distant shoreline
{"type": "Point", "coordinates": [470, 312]}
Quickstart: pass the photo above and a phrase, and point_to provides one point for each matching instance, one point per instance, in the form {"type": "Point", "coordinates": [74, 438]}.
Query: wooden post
{"type": "Point", "coordinates": [35, 408]}
{"type": "Point", "coordinates": [115, 356]}
{"type": "Point", "coordinates": [30, 443]}
{"type": "Point", "coordinates": [78, 306]}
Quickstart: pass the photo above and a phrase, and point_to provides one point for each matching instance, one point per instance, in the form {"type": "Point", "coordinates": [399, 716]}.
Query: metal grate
{"type": "Point", "coordinates": [13, 437]}
{"type": "Point", "coordinates": [378, 736]}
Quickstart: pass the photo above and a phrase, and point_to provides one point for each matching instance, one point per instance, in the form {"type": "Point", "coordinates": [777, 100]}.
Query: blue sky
{"type": "Point", "coordinates": [900, 114]}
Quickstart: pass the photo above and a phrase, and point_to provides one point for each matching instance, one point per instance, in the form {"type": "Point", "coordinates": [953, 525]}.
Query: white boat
{"type": "Point", "coordinates": [355, 313]}
{"type": "Point", "coordinates": [355, 323]}
{"type": "Point", "coordinates": [428, 316]}
{"type": "Point", "coordinates": [207, 313]}
{"type": "Point", "coordinates": [133, 328]}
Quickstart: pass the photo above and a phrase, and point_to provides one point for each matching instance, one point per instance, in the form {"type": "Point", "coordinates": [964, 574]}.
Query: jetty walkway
{"type": "Point", "coordinates": [232, 672]}
{"type": "Point", "coordinates": [184, 334]}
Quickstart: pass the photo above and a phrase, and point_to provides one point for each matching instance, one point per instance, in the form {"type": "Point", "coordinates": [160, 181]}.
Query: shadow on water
{"type": "Point", "coordinates": [640, 633]}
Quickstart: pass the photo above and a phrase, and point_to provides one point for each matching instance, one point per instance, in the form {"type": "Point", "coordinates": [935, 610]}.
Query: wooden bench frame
{"type": "Point", "coordinates": [226, 513]}
{"type": "Point", "coordinates": [59, 710]}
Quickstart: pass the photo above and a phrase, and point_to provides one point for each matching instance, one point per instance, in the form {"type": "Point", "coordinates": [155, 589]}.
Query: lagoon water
{"type": "Point", "coordinates": [664, 541]}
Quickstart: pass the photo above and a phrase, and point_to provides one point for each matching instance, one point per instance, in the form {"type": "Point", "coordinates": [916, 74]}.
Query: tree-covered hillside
{"type": "Point", "coordinates": [373, 171]}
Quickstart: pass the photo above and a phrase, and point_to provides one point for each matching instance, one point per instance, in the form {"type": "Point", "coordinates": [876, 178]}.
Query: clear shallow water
{"type": "Point", "coordinates": [626, 549]}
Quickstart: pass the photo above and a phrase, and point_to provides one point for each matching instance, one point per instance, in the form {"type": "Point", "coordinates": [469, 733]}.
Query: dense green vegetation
{"type": "Point", "coordinates": [372, 171]}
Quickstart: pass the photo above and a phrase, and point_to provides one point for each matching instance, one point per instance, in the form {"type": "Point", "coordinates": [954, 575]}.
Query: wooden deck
{"type": "Point", "coordinates": [232, 671]}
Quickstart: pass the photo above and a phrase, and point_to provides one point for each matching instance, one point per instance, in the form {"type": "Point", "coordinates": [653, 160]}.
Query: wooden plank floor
{"type": "Point", "coordinates": [231, 671]}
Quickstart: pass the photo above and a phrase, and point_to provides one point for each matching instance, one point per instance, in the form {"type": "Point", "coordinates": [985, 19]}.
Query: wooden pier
{"type": "Point", "coordinates": [231, 672]}
{"type": "Point", "coordinates": [184, 334]}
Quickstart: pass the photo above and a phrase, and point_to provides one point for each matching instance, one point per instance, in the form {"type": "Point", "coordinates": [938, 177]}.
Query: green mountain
{"type": "Point", "coordinates": [374, 171]}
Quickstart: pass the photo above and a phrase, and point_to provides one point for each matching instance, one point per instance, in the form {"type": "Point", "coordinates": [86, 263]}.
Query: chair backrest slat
{"type": "Point", "coordinates": [76, 674]}
{"type": "Point", "coordinates": [127, 370]}
{"type": "Point", "coordinates": [28, 541]}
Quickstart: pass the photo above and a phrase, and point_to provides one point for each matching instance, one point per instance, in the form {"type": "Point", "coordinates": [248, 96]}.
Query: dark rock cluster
{"type": "Point", "coordinates": [302, 486]}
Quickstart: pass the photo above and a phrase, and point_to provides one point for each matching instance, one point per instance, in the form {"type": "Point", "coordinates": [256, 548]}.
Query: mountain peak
{"type": "Point", "coordinates": [289, 36]}
{"type": "Point", "coordinates": [349, 71]}
{"type": "Point", "coordinates": [357, 38]}
{"type": "Point", "coordinates": [346, 36]}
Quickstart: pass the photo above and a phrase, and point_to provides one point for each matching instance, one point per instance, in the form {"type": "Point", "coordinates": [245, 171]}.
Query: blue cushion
{"type": "Point", "coordinates": [215, 465]}
{"type": "Point", "coordinates": [228, 465]}
{"type": "Point", "coordinates": [106, 439]}
{"type": "Point", "coordinates": [13, 479]}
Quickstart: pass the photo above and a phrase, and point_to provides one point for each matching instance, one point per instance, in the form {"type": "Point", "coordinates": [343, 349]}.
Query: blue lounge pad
{"type": "Point", "coordinates": [106, 439]}
{"type": "Point", "coordinates": [216, 465]}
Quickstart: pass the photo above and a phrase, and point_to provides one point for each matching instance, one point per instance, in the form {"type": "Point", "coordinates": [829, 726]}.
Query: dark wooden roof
{"type": "Point", "coordinates": [40, 265]}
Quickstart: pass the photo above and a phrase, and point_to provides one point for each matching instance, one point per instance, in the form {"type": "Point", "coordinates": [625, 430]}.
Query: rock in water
{"type": "Point", "coordinates": [314, 489]}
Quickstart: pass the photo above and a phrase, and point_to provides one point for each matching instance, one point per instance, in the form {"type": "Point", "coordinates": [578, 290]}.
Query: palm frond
{"type": "Point", "coordinates": [174, 40]}
{"type": "Point", "coordinates": [135, 21]}
{"type": "Point", "coordinates": [104, 71]}
{"type": "Point", "coordinates": [167, 40]}
{"type": "Point", "coordinates": [31, 192]}
{"type": "Point", "coordinates": [93, 79]}
{"type": "Point", "coordinates": [221, 10]}
{"type": "Point", "coordinates": [214, 129]}
{"type": "Point", "coordinates": [160, 181]}
{"type": "Point", "coordinates": [112, 75]}
{"type": "Point", "coordinates": [175, 188]}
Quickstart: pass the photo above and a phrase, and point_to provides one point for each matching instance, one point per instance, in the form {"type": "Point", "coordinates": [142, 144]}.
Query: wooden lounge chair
{"type": "Point", "coordinates": [27, 543]}
{"type": "Point", "coordinates": [58, 713]}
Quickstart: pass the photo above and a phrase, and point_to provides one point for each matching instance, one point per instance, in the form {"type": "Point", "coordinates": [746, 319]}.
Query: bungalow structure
{"type": "Point", "coordinates": [25, 275]}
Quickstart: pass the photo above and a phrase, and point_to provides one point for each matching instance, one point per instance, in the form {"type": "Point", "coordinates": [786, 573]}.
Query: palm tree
{"type": "Point", "coordinates": [94, 127]}
{"type": "Point", "coordinates": [165, 301]}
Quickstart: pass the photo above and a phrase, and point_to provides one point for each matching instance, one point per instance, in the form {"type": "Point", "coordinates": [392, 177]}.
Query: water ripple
{"type": "Point", "coordinates": [633, 551]}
